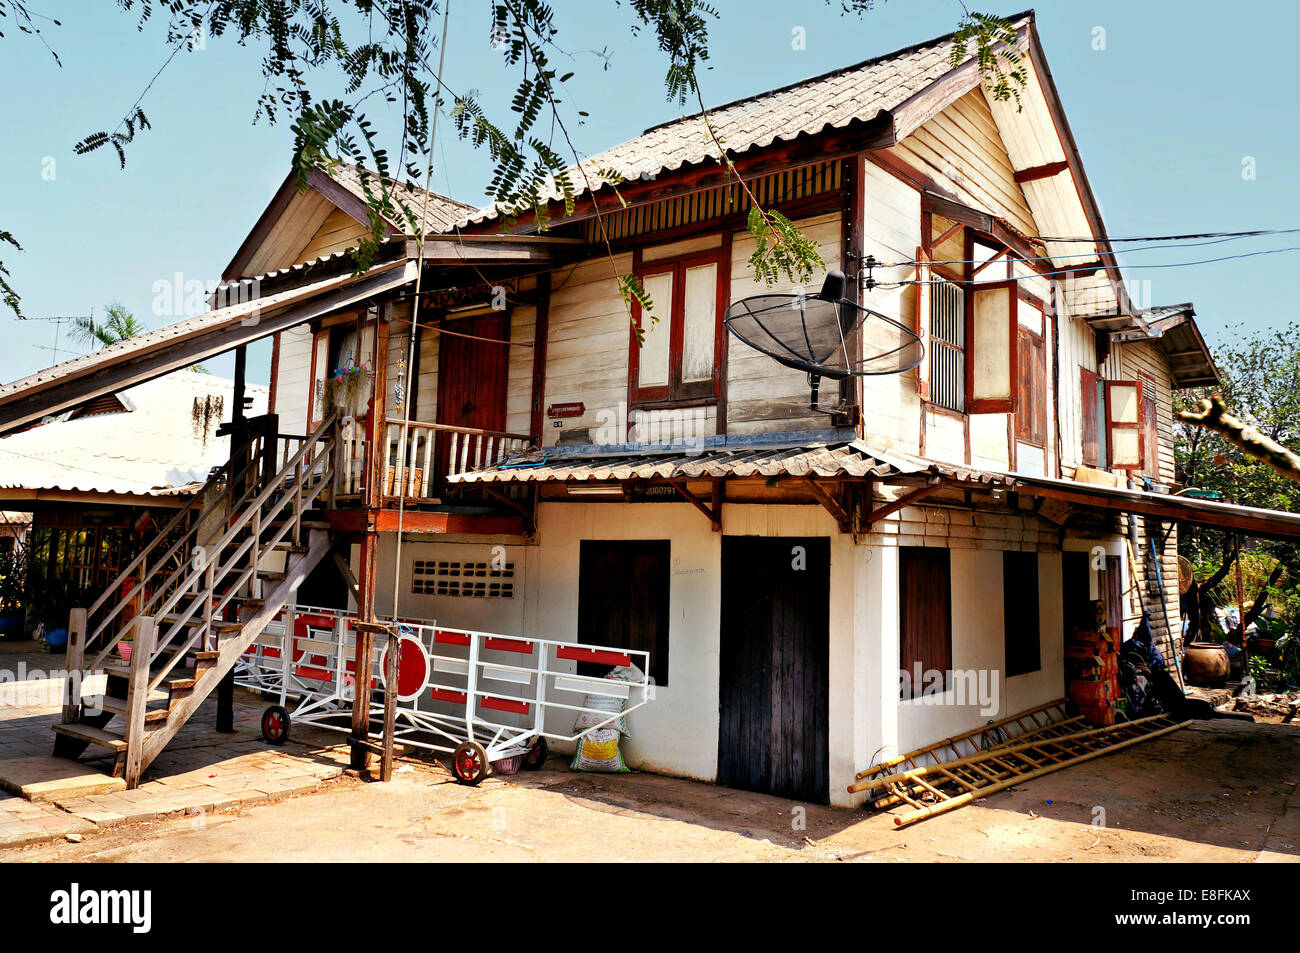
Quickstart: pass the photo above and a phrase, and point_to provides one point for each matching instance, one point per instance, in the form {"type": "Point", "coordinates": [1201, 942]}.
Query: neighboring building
{"type": "Point", "coordinates": [781, 564]}
{"type": "Point", "coordinates": [92, 482]}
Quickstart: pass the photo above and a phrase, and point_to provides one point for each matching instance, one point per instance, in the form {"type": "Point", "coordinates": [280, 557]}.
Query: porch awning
{"type": "Point", "coordinates": [1248, 520]}
{"type": "Point", "coordinates": [717, 458]}
{"type": "Point", "coordinates": [723, 458]}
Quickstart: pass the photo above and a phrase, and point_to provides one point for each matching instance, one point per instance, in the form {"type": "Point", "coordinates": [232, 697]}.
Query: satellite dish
{"type": "Point", "coordinates": [826, 336]}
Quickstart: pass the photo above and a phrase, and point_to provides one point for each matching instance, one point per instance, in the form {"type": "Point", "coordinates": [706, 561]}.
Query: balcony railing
{"type": "Point", "coordinates": [419, 456]}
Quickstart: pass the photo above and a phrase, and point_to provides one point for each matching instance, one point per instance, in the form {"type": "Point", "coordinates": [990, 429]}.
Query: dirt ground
{"type": "Point", "coordinates": [1216, 791]}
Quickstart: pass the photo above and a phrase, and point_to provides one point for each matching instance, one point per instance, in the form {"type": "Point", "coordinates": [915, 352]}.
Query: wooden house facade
{"type": "Point", "coordinates": [509, 457]}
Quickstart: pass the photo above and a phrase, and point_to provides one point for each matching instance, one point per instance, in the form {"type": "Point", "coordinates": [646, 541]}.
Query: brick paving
{"type": "Point", "coordinates": [200, 771]}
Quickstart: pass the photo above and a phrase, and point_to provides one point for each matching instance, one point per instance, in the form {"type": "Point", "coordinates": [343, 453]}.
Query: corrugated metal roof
{"type": "Point", "coordinates": [178, 331]}
{"type": "Point", "coordinates": [157, 449]}
{"type": "Point", "coordinates": [830, 101]}
{"type": "Point", "coordinates": [843, 458]}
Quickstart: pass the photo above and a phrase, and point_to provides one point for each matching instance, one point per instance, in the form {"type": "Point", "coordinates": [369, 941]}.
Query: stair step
{"type": "Point", "coordinates": [118, 707]}
{"type": "Point", "coordinates": [94, 736]}
{"type": "Point", "coordinates": [172, 684]}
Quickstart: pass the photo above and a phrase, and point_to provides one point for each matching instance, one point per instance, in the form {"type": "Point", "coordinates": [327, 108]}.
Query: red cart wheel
{"type": "Point", "coordinates": [275, 725]}
{"type": "Point", "coordinates": [469, 762]}
{"type": "Point", "coordinates": [536, 754]}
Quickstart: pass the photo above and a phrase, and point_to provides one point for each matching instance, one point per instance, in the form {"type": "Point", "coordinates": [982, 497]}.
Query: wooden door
{"type": "Point", "coordinates": [774, 679]}
{"type": "Point", "coordinates": [472, 377]}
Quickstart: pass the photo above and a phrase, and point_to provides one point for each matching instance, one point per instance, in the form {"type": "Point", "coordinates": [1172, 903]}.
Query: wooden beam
{"type": "Point", "coordinates": [832, 505]}
{"type": "Point", "coordinates": [1045, 171]}
{"type": "Point", "coordinates": [907, 499]}
{"type": "Point", "coordinates": [713, 513]}
{"type": "Point", "coordinates": [421, 521]}
{"type": "Point", "coordinates": [346, 572]}
{"type": "Point", "coordinates": [1171, 510]}
{"type": "Point", "coordinates": [529, 514]}
{"type": "Point", "coordinates": [541, 331]}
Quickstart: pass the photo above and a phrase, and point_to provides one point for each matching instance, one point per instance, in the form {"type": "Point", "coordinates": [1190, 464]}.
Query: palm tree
{"type": "Point", "coordinates": [117, 327]}
{"type": "Point", "coordinates": [120, 325]}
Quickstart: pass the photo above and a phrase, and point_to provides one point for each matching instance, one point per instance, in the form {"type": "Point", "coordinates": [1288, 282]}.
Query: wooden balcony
{"type": "Point", "coordinates": [417, 458]}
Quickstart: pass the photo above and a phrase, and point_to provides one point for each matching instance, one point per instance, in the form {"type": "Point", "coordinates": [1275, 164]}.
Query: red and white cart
{"type": "Point", "coordinates": [483, 698]}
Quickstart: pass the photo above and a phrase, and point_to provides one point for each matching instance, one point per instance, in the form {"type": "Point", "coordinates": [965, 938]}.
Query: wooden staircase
{"type": "Point", "coordinates": [193, 601]}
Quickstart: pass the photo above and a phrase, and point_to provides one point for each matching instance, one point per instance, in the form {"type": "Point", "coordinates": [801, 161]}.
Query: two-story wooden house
{"type": "Point", "coordinates": [514, 460]}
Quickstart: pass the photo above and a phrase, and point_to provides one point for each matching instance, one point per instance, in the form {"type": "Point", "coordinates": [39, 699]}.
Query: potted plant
{"type": "Point", "coordinates": [13, 592]}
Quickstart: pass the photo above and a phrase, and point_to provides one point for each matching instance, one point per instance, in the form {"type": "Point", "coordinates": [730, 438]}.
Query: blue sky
{"type": "Point", "coordinates": [1165, 115]}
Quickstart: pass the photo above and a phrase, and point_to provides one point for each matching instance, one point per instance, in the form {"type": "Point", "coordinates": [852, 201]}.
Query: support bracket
{"type": "Point", "coordinates": [714, 512]}
{"type": "Point", "coordinates": [907, 499]}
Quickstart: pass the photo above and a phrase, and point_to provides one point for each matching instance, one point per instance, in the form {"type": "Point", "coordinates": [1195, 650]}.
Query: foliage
{"type": "Point", "coordinates": [13, 578]}
{"type": "Point", "coordinates": [381, 49]}
{"type": "Point", "coordinates": [120, 325]}
{"type": "Point", "coordinates": [8, 295]}
{"type": "Point", "coordinates": [997, 55]}
{"type": "Point", "coordinates": [1261, 385]}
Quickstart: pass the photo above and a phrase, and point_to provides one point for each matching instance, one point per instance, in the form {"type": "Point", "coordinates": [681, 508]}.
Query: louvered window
{"type": "Point", "coordinates": [947, 345]}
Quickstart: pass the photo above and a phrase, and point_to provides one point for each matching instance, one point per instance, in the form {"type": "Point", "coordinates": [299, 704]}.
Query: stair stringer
{"type": "Point", "coordinates": [154, 741]}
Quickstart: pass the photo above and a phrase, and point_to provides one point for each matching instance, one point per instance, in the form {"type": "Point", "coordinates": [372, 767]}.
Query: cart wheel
{"type": "Point", "coordinates": [469, 762]}
{"type": "Point", "coordinates": [536, 754]}
{"type": "Point", "coordinates": [275, 725]}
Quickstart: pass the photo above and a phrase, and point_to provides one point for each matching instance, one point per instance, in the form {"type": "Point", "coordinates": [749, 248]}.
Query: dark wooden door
{"type": "Point", "coordinates": [775, 648]}
{"type": "Point", "coordinates": [471, 381]}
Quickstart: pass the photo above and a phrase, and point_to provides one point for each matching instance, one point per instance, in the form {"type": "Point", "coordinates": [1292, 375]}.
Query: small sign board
{"type": "Point", "coordinates": [575, 409]}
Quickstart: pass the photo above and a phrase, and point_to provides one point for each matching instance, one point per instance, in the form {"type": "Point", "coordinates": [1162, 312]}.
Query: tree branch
{"type": "Point", "coordinates": [1212, 414]}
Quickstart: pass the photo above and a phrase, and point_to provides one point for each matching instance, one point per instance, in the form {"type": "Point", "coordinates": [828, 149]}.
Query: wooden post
{"type": "Point", "coordinates": [361, 660]}
{"type": "Point", "coordinates": [394, 649]}
{"type": "Point", "coordinates": [137, 694]}
{"type": "Point", "coordinates": [376, 429]}
{"type": "Point", "coordinates": [1241, 615]}
{"type": "Point", "coordinates": [72, 665]}
{"type": "Point", "coordinates": [241, 366]}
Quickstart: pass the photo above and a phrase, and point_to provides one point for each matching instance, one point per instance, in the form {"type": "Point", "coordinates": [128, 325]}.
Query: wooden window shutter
{"type": "Point", "coordinates": [1031, 410]}
{"type": "Point", "coordinates": [1090, 431]}
{"type": "Point", "coordinates": [1150, 435]}
{"type": "Point", "coordinates": [991, 348]}
{"type": "Point", "coordinates": [318, 399]}
{"type": "Point", "coordinates": [1124, 424]}
{"type": "Point", "coordinates": [923, 298]}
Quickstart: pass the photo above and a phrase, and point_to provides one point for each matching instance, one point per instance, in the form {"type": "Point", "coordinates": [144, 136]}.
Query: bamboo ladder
{"type": "Point", "coordinates": [936, 788]}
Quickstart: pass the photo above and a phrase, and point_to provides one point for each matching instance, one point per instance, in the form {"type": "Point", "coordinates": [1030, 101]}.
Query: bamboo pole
{"type": "Point", "coordinates": [930, 810]}
{"type": "Point", "coordinates": [928, 749]}
{"type": "Point", "coordinates": [993, 754]}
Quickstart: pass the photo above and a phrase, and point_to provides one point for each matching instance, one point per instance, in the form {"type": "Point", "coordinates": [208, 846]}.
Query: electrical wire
{"type": "Point", "coordinates": [381, 400]}
{"type": "Point", "coordinates": [1175, 264]}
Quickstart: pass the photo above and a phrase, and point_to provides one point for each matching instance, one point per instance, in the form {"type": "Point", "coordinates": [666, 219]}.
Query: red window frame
{"type": "Point", "coordinates": [676, 391]}
{"type": "Point", "coordinates": [1112, 425]}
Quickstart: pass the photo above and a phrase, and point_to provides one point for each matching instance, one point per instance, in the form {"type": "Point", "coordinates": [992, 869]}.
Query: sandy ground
{"type": "Point", "coordinates": [1218, 791]}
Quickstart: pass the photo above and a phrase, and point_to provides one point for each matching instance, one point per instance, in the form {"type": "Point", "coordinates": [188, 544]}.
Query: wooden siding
{"type": "Point", "coordinates": [587, 349]}
{"type": "Point", "coordinates": [291, 379]}
{"type": "Point", "coordinates": [961, 151]}
{"type": "Point", "coordinates": [339, 232]}
{"type": "Point", "coordinates": [292, 232]}
{"type": "Point", "coordinates": [891, 407]}
{"type": "Point", "coordinates": [762, 395]}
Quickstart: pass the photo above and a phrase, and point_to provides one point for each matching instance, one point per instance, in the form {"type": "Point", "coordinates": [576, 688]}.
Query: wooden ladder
{"type": "Point", "coordinates": [200, 570]}
{"type": "Point", "coordinates": [935, 788]}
